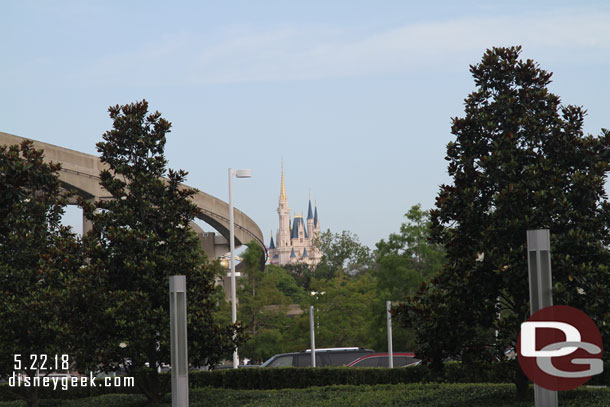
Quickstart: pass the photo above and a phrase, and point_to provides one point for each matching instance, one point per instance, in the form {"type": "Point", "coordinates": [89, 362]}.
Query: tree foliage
{"type": "Point", "coordinates": [348, 289]}
{"type": "Point", "coordinates": [342, 254]}
{"type": "Point", "coordinates": [302, 273]}
{"type": "Point", "coordinates": [140, 236]}
{"type": "Point", "coordinates": [402, 263]}
{"type": "Point", "coordinates": [39, 263]}
{"type": "Point", "coordinates": [342, 310]}
{"type": "Point", "coordinates": [408, 258]}
{"type": "Point", "coordinates": [264, 299]}
{"type": "Point", "coordinates": [519, 161]}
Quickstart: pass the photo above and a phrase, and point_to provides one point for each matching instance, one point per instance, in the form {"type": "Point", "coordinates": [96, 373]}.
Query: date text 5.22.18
{"type": "Point", "coordinates": [41, 362]}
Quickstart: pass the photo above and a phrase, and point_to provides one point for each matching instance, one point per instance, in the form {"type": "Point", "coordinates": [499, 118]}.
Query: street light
{"type": "Point", "coordinates": [238, 174]}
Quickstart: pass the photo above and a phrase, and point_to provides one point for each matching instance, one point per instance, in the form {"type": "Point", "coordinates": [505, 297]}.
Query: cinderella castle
{"type": "Point", "coordinates": [295, 244]}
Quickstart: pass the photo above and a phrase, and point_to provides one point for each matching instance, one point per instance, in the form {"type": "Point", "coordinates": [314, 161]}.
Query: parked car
{"type": "Point", "coordinates": [113, 373]}
{"type": "Point", "coordinates": [400, 359]}
{"type": "Point", "coordinates": [324, 357]}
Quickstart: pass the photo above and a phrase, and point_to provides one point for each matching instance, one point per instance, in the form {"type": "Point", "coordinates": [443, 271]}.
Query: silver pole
{"type": "Point", "coordinates": [541, 292]}
{"type": "Point", "coordinates": [178, 341]}
{"type": "Point", "coordinates": [313, 337]}
{"type": "Point", "coordinates": [388, 307]}
{"type": "Point", "coordinates": [232, 248]}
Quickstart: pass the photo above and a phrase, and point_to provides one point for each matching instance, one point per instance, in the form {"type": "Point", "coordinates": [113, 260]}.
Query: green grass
{"type": "Point", "coordinates": [411, 395]}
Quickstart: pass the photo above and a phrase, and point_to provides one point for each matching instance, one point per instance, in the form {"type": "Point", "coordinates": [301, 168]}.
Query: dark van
{"type": "Point", "coordinates": [324, 357]}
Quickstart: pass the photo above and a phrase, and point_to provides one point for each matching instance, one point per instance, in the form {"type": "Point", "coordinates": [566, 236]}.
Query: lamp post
{"type": "Point", "coordinates": [238, 174]}
{"type": "Point", "coordinates": [541, 293]}
{"type": "Point", "coordinates": [388, 307]}
{"type": "Point", "coordinates": [312, 333]}
{"type": "Point", "coordinates": [178, 342]}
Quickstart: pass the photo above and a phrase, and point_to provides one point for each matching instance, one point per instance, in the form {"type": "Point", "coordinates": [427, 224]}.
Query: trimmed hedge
{"type": "Point", "coordinates": [414, 394]}
{"type": "Point", "coordinates": [13, 393]}
{"type": "Point", "coordinates": [285, 378]}
{"type": "Point", "coordinates": [298, 378]}
{"type": "Point", "coordinates": [288, 377]}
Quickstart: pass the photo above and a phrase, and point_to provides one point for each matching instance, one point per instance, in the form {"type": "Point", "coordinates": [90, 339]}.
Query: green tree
{"type": "Point", "coordinates": [286, 283]}
{"type": "Point", "coordinates": [302, 272]}
{"type": "Point", "coordinates": [520, 161]}
{"type": "Point", "coordinates": [266, 320]}
{"type": "Point", "coordinates": [259, 291]}
{"type": "Point", "coordinates": [141, 236]}
{"type": "Point", "coordinates": [403, 262]}
{"type": "Point", "coordinates": [264, 299]}
{"type": "Point", "coordinates": [342, 310]}
{"type": "Point", "coordinates": [254, 260]}
{"type": "Point", "coordinates": [342, 254]}
{"type": "Point", "coordinates": [39, 262]}
{"type": "Point", "coordinates": [406, 259]}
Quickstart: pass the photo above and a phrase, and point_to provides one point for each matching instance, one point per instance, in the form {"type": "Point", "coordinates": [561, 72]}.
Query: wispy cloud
{"type": "Point", "coordinates": [303, 53]}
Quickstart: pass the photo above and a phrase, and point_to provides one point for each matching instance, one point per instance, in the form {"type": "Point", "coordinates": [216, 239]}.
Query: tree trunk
{"type": "Point", "coordinates": [154, 401]}
{"type": "Point", "coordinates": [149, 385]}
{"type": "Point", "coordinates": [522, 383]}
{"type": "Point", "coordinates": [437, 365]}
{"type": "Point", "coordinates": [33, 398]}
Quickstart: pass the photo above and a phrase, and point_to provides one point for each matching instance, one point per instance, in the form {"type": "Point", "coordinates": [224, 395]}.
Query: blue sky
{"type": "Point", "coordinates": [356, 97]}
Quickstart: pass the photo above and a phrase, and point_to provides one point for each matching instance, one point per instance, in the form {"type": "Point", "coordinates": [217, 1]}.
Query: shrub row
{"type": "Point", "coordinates": [414, 394]}
{"type": "Point", "coordinates": [282, 378]}
{"type": "Point", "coordinates": [294, 378]}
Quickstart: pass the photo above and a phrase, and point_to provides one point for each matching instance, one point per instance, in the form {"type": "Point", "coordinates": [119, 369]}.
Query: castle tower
{"type": "Point", "coordinates": [283, 236]}
{"type": "Point", "coordinates": [294, 241]}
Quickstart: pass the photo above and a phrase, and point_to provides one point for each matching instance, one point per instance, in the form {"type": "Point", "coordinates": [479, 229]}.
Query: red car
{"type": "Point", "coordinates": [401, 359]}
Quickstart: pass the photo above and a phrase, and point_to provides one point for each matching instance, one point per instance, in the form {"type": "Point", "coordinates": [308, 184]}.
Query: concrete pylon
{"type": "Point", "coordinates": [87, 224]}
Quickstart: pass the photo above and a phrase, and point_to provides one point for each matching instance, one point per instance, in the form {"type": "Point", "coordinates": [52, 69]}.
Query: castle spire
{"type": "Point", "coordinates": [309, 211]}
{"type": "Point", "coordinates": [282, 187]}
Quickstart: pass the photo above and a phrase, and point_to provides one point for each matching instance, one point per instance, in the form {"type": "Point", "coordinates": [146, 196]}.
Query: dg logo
{"type": "Point", "coordinates": [560, 348]}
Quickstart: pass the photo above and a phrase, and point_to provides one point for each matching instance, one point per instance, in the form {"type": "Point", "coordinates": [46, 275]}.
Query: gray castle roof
{"type": "Point", "coordinates": [294, 233]}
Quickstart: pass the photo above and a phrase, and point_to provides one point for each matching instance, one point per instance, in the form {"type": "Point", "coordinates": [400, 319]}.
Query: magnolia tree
{"type": "Point", "coordinates": [519, 161]}
{"type": "Point", "coordinates": [140, 236]}
{"type": "Point", "coordinates": [39, 270]}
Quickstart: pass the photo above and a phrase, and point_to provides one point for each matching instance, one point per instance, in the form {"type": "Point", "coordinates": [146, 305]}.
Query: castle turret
{"type": "Point", "coordinates": [310, 227]}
